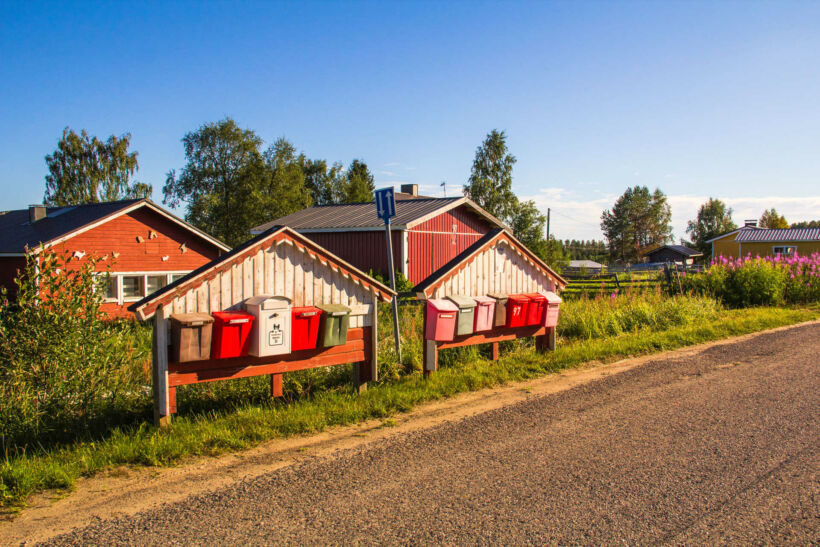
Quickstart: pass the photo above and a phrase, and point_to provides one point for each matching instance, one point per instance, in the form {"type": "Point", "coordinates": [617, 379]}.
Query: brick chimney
{"type": "Point", "coordinates": [36, 212]}
{"type": "Point", "coordinates": [412, 189]}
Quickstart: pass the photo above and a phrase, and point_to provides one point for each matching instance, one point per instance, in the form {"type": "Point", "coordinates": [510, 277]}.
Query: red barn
{"type": "Point", "coordinates": [426, 232]}
{"type": "Point", "coordinates": [144, 246]}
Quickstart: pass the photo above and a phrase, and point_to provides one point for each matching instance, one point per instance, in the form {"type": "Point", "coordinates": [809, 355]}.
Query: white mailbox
{"type": "Point", "coordinates": [271, 329]}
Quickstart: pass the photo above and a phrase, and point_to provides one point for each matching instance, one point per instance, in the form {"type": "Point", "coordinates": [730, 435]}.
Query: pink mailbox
{"type": "Point", "coordinates": [553, 306]}
{"type": "Point", "coordinates": [484, 313]}
{"type": "Point", "coordinates": [441, 320]}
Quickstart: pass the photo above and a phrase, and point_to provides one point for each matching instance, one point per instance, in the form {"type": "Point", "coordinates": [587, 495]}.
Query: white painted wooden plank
{"type": "Point", "coordinates": [374, 341]}
{"type": "Point", "coordinates": [225, 290]}
{"type": "Point", "coordinates": [190, 301]}
{"type": "Point", "coordinates": [279, 270]}
{"type": "Point", "coordinates": [307, 266]}
{"type": "Point", "coordinates": [202, 298]}
{"type": "Point", "coordinates": [318, 286]}
{"type": "Point", "coordinates": [236, 284]}
{"type": "Point", "coordinates": [159, 372]}
{"type": "Point", "coordinates": [247, 278]}
{"type": "Point", "coordinates": [259, 272]}
{"type": "Point", "coordinates": [267, 268]}
{"type": "Point", "coordinates": [298, 278]}
{"type": "Point", "coordinates": [337, 284]}
{"type": "Point", "coordinates": [214, 294]}
{"type": "Point", "coordinates": [289, 269]}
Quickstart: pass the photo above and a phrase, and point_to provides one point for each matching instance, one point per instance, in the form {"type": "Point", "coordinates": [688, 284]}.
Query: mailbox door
{"type": "Point", "coordinates": [551, 316]}
{"type": "Point", "coordinates": [484, 313]}
{"type": "Point", "coordinates": [465, 322]}
{"type": "Point", "coordinates": [517, 305]}
{"type": "Point", "coordinates": [231, 334]}
{"type": "Point", "coordinates": [304, 327]}
{"type": "Point", "coordinates": [500, 309]}
{"type": "Point", "coordinates": [441, 320]}
{"type": "Point", "coordinates": [333, 325]}
{"type": "Point", "coordinates": [274, 332]}
{"type": "Point", "coordinates": [536, 309]}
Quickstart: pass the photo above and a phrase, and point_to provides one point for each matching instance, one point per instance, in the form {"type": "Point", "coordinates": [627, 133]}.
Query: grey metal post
{"type": "Point", "coordinates": [393, 286]}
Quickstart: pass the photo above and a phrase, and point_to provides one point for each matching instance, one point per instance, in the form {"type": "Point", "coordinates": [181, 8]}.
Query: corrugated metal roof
{"type": "Point", "coordinates": [357, 215]}
{"type": "Point", "coordinates": [680, 249]}
{"type": "Point", "coordinates": [777, 235]}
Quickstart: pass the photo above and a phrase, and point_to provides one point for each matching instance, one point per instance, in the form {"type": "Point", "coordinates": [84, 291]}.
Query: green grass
{"type": "Point", "coordinates": [242, 427]}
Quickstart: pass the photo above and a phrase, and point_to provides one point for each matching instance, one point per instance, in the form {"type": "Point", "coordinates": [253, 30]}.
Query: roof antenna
{"type": "Point", "coordinates": [444, 187]}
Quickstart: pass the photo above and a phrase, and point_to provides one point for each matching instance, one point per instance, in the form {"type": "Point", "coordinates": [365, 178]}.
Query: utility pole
{"type": "Point", "coordinates": [444, 187]}
{"type": "Point", "coordinates": [548, 224]}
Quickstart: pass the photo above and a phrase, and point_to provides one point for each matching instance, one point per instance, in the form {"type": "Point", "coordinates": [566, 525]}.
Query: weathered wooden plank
{"type": "Point", "coordinates": [374, 339]}
{"type": "Point", "coordinates": [214, 294]}
{"type": "Point", "coordinates": [289, 268]}
{"type": "Point", "coordinates": [159, 371]}
{"type": "Point", "coordinates": [307, 287]}
{"type": "Point", "coordinates": [279, 270]}
{"type": "Point", "coordinates": [190, 301]}
{"type": "Point", "coordinates": [259, 272]}
{"type": "Point", "coordinates": [247, 278]}
{"type": "Point", "coordinates": [225, 290]}
{"type": "Point", "coordinates": [202, 298]}
{"type": "Point", "coordinates": [298, 277]}
{"type": "Point", "coordinates": [269, 258]}
{"type": "Point", "coordinates": [236, 284]}
{"type": "Point", "coordinates": [318, 285]}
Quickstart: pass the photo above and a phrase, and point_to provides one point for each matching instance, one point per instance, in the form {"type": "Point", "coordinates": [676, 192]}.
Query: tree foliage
{"type": "Point", "coordinates": [490, 182]}
{"type": "Point", "coordinates": [85, 169]}
{"type": "Point", "coordinates": [359, 185]}
{"type": "Point", "coordinates": [713, 219]}
{"type": "Point", "coordinates": [586, 250]}
{"type": "Point", "coordinates": [806, 224]}
{"type": "Point", "coordinates": [638, 219]}
{"type": "Point", "coordinates": [771, 219]}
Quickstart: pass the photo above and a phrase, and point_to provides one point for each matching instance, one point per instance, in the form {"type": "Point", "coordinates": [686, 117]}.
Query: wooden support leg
{"type": "Point", "coordinates": [172, 400]}
{"type": "Point", "coordinates": [430, 357]}
{"type": "Point", "coordinates": [361, 374]}
{"type": "Point", "coordinates": [551, 338]}
{"type": "Point", "coordinates": [495, 351]}
{"type": "Point", "coordinates": [546, 342]}
{"type": "Point", "coordinates": [159, 371]}
{"type": "Point", "coordinates": [275, 385]}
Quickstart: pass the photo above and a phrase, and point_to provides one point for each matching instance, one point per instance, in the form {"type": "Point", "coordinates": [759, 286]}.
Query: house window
{"type": "Point", "coordinates": [174, 277]}
{"type": "Point", "coordinates": [785, 250]}
{"type": "Point", "coordinates": [155, 282]}
{"type": "Point", "coordinates": [132, 286]}
{"type": "Point", "coordinates": [110, 285]}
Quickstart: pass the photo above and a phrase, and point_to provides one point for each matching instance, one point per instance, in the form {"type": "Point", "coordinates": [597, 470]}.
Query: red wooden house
{"type": "Point", "coordinates": [426, 232]}
{"type": "Point", "coordinates": [144, 247]}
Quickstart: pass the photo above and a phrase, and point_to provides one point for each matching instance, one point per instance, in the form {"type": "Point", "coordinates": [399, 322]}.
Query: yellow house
{"type": "Point", "coordinates": [766, 242]}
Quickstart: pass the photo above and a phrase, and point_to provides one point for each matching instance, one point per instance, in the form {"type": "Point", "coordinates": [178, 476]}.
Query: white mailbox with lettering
{"type": "Point", "coordinates": [271, 329]}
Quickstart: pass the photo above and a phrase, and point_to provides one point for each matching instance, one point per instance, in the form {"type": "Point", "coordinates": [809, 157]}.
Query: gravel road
{"type": "Point", "coordinates": [719, 447]}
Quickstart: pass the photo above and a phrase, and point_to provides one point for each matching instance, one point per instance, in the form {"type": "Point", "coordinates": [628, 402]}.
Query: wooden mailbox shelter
{"type": "Point", "coordinates": [497, 263]}
{"type": "Point", "coordinates": [278, 262]}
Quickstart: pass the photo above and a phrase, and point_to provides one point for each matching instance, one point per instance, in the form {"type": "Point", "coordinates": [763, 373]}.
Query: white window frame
{"type": "Point", "coordinates": [784, 250]}
{"type": "Point", "coordinates": [117, 276]}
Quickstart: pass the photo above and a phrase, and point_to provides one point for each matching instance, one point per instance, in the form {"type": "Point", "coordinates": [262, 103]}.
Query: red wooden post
{"type": "Point", "coordinates": [172, 400]}
{"type": "Point", "coordinates": [275, 385]}
{"type": "Point", "coordinates": [495, 351]}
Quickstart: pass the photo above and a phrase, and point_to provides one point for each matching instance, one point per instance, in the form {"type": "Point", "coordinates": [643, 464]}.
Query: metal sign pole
{"type": "Point", "coordinates": [393, 286]}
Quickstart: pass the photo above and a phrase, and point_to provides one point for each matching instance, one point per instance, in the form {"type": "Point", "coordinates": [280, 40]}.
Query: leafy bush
{"type": "Point", "coordinates": [747, 281]}
{"type": "Point", "coordinates": [63, 366]}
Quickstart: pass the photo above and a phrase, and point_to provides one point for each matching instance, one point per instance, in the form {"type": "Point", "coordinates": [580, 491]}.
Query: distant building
{"type": "Point", "coordinates": [143, 246]}
{"type": "Point", "coordinates": [426, 232]}
{"type": "Point", "coordinates": [589, 265]}
{"type": "Point", "coordinates": [679, 254]}
{"type": "Point", "coordinates": [766, 241]}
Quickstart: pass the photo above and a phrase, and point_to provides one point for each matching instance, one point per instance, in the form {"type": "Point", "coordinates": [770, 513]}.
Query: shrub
{"type": "Point", "coordinates": [747, 281]}
{"type": "Point", "coordinates": [63, 366]}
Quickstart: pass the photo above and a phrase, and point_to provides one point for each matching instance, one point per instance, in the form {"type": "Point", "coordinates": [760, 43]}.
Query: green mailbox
{"type": "Point", "coordinates": [466, 314]}
{"type": "Point", "coordinates": [335, 320]}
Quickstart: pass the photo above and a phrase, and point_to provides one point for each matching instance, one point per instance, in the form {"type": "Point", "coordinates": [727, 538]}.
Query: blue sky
{"type": "Point", "coordinates": [700, 99]}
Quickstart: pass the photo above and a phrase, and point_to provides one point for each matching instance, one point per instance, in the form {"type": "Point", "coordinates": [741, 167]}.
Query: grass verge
{"type": "Point", "coordinates": [216, 433]}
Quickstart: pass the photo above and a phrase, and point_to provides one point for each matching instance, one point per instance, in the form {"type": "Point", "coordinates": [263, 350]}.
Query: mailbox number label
{"type": "Point", "coordinates": [275, 337]}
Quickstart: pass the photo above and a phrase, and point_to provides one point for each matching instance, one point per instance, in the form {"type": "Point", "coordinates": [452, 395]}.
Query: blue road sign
{"type": "Point", "coordinates": [385, 204]}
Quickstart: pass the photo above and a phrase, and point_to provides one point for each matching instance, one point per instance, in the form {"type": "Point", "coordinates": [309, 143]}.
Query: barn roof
{"type": "Point", "coordinates": [17, 232]}
{"type": "Point", "coordinates": [436, 278]}
{"type": "Point", "coordinates": [584, 264]}
{"type": "Point", "coordinates": [682, 250]}
{"type": "Point", "coordinates": [145, 308]}
{"type": "Point", "coordinates": [363, 217]}
{"type": "Point", "coordinates": [777, 235]}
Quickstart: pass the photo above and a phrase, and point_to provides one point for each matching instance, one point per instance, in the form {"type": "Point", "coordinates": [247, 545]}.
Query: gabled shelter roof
{"type": "Point", "coordinates": [363, 217]}
{"type": "Point", "coordinates": [145, 308]}
{"type": "Point", "coordinates": [682, 250]}
{"type": "Point", "coordinates": [17, 232]}
{"type": "Point", "coordinates": [777, 235]}
{"type": "Point", "coordinates": [426, 287]}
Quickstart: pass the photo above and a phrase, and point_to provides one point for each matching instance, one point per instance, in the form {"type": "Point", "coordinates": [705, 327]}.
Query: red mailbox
{"type": "Point", "coordinates": [305, 327]}
{"type": "Point", "coordinates": [536, 308]}
{"type": "Point", "coordinates": [441, 320]}
{"type": "Point", "coordinates": [553, 307]}
{"type": "Point", "coordinates": [231, 334]}
{"type": "Point", "coordinates": [517, 305]}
